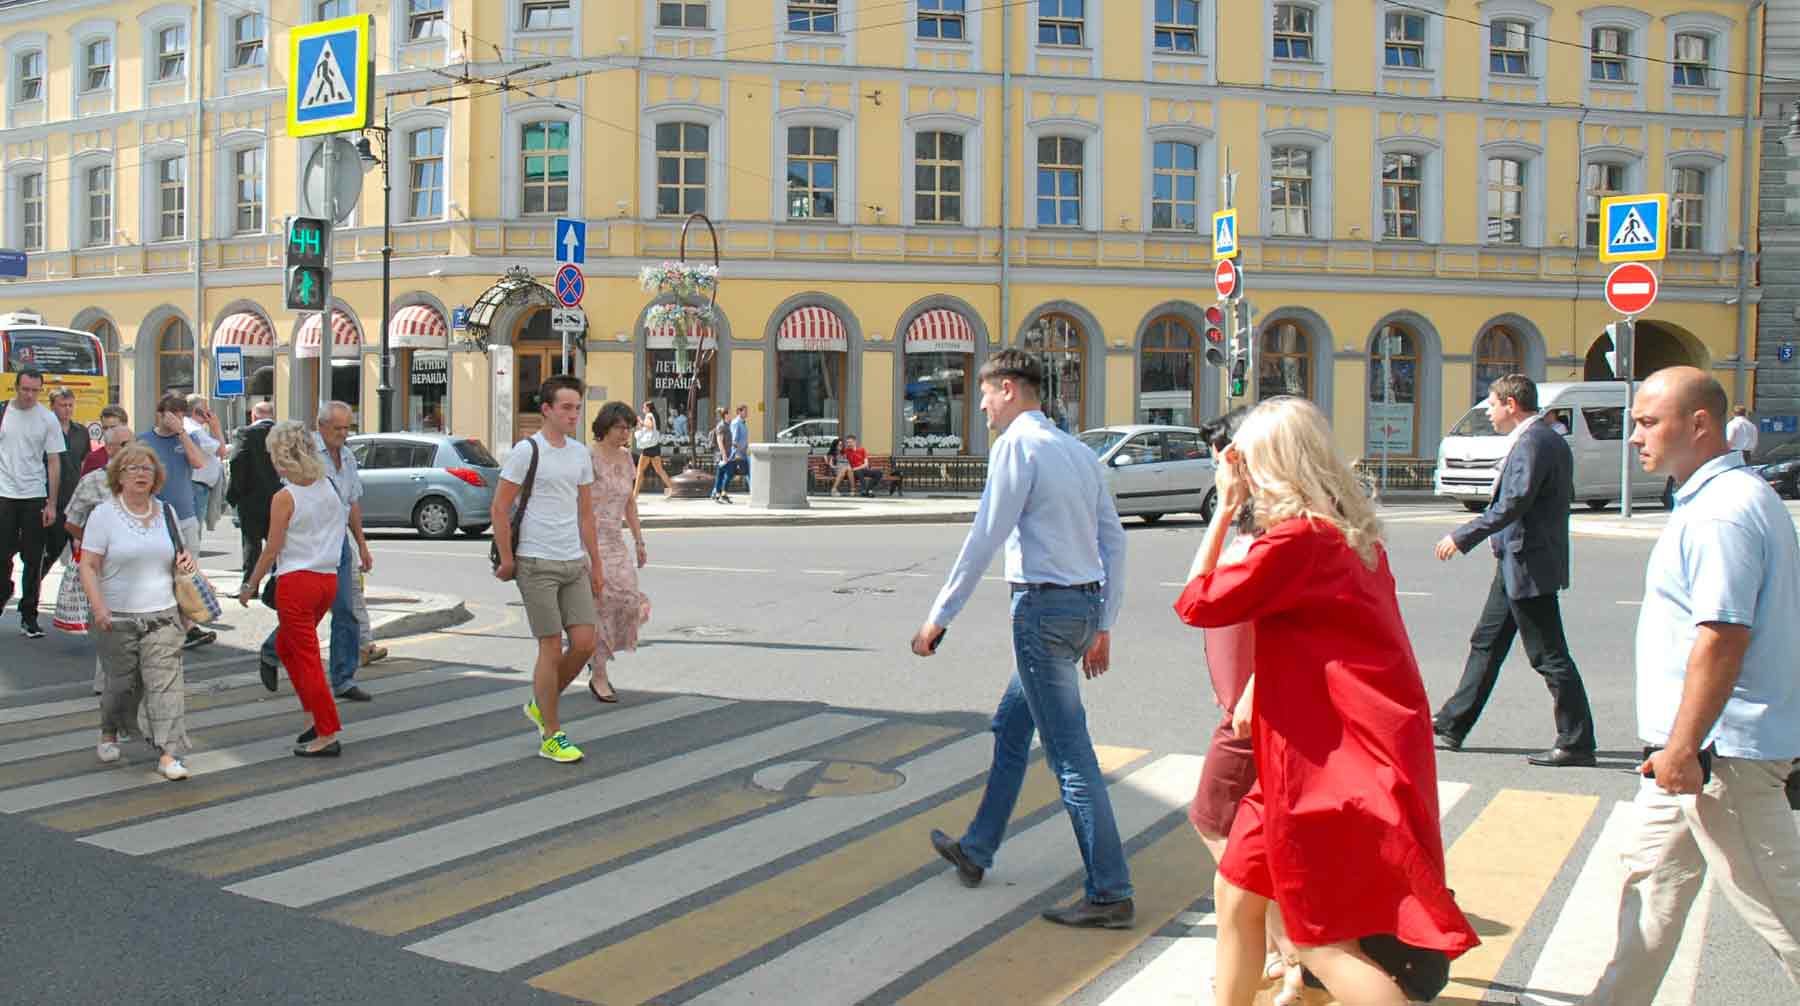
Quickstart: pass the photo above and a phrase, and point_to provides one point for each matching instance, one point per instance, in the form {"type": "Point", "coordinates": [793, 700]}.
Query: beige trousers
{"type": "Point", "coordinates": [1740, 826]}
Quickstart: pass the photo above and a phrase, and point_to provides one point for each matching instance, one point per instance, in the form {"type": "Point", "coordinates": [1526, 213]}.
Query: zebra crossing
{"type": "Point", "coordinates": [721, 851]}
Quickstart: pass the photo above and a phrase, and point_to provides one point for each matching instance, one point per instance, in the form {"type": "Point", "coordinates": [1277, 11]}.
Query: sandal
{"type": "Point", "coordinates": [610, 696]}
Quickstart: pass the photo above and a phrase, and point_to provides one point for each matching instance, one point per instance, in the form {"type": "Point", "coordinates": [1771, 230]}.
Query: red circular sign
{"type": "Point", "coordinates": [1631, 288]}
{"type": "Point", "coordinates": [1225, 278]}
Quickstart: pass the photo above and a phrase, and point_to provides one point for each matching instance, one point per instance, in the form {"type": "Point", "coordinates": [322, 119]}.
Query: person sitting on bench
{"type": "Point", "coordinates": [862, 477]}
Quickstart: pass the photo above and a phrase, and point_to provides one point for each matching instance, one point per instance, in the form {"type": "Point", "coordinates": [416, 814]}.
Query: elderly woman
{"type": "Point", "coordinates": [128, 557]}
{"type": "Point", "coordinates": [1340, 829]}
{"type": "Point", "coordinates": [306, 540]}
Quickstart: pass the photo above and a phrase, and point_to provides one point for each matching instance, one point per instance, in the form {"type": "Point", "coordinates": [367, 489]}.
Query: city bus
{"type": "Point", "coordinates": [67, 357]}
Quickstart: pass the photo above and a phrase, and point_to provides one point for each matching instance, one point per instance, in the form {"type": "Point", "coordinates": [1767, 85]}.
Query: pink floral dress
{"type": "Point", "coordinates": [622, 607]}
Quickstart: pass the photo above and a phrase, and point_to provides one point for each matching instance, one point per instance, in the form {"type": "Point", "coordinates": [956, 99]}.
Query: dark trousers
{"type": "Point", "coordinates": [22, 534]}
{"type": "Point", "coordinates": [1538, 621]}
{"type": "Point", "coordinates": [252, 541]}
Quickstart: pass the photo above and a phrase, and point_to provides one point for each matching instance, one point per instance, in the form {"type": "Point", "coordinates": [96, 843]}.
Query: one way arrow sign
{"type": "Point", "coordinates": [571, 241]}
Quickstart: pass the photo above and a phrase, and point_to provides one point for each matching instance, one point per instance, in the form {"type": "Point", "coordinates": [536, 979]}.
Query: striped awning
{"type": "Point", "coordinates": [343, 336]}
{"type": "Point", "coordinates": [246, 330]}
{"type": "Point", "coordinates": [813, 329]}
{"type": "Point", "coordinates": [664, 338]}
{"type": "Point", "coordinates": [418, 326]}
{"type": "Point", "coordinates": [940, 330]}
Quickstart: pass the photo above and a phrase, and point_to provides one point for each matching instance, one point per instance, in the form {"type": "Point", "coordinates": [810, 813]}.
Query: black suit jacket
{"type": "Point", "coordinates": [1528, 518]}
{"type": "Point", "coordinates": [253, 483]}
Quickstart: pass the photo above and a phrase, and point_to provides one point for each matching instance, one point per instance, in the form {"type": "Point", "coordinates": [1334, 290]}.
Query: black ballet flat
{"type": "Point", "coordinates": [331, 750]}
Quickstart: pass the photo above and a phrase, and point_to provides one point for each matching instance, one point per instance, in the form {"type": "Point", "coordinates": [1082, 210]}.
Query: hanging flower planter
{"type": "Point", "coordinates": [689, 311]}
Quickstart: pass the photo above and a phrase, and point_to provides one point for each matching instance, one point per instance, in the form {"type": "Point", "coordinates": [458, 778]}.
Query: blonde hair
{"type": "Point", "coordinates": [1286, 444]}
{"type": "Point", "coordinates": [292, 452]}
{"type": "Point", "coordinates": [133, 453]}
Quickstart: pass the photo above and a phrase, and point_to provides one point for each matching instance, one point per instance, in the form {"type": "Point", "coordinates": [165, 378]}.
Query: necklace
{"type": "Point", "coordinates": [141, 518]}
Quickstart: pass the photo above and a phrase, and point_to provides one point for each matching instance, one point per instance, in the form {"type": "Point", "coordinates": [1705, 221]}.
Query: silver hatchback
{"type": "Point", "coordinates": [1154, 470]}
{"type": "Point", "coordinates": [430, 482]}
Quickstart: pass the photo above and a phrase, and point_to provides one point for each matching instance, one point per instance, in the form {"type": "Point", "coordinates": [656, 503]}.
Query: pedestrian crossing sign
{"type": "Point", "coordinates": [1634, 228]}
{"type": "Point", "coordinates": [1225, 234]}
{"type": "Point", "coordinates": [331, 72]}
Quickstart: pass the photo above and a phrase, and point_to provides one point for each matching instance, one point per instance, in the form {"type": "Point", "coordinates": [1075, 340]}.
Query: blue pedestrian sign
{"type": "Point", "coordinates": [228, 374]}
{"type": "Point", "coordinates": [570, 285]}
{"type": "Point", "coordinates": [571, 241]}
{"type": "Point", "coordinates": [1225, 234]}
{"type": "Point", "coordinates": [331, 72]}
{"type": "Point", "coordinates": [1634, 228]}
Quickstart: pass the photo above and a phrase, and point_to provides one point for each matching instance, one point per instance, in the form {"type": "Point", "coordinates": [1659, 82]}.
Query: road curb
{"type": "Point", "coordinates": [805, 519]}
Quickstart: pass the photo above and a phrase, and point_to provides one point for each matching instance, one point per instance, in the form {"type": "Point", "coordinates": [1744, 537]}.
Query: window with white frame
{"type": "Point", "coordinates": [246, 41]}
{"type": "Point", "coordinates": [97, 65]}
{"type": "Point", "coordinates": [171, 52]}
{"type": "Point", "coordinates": [1687, 210]}
{"type": "Point", "coordinates": [1693, 60]}
{"type": "Point", "coordinates": [1290, 192]}
{"type": "Point", "coordinates": [1402, 193]}
{"type": "Point", "coordinates": [1059, 171]}
{"type": "Point", "coordinates": [943, 20]}
{"type": "Point", "coordinates": [30, 76]}
{"type": "Point", "coordinates": [247, 191]}
{"type": "Point", "coordinates": [812, 16]}
{"type": "Point", "coordinates": [812, 172]}
{"type": "Point", "coordinates": [938, 178]}
{"type": "Point", "coordinates": [1609, 48]}
{"type": "Point", "coordinates": [31, 211]}
{"type": "Point", "coordinates": [425, 173]}
{"type": "Point", "coordinates": [324, 9]}
{"type": "Point", "coordinates": [1509, 48]}
{"type": "Point", "coordinates": [1175, 187]}
{"type": "Point", "coordinates": [1599, 180]}
{"type": "Point", "coordinates": [1062, 22]}
{"type": "Point", "coordinates": [97, 191]}
{"type": "Point", "coordinates": [681, 14]}
{"type": "Point", "coordinates": [1294, 25]}
{"type": "Point", "coordinates": [1177, 26]}
{"type": "Point", "coordinates": [425, 20]}
{"type": "Point", "coordinates": [681, 149]}
{"type": "Point", "coordinates": [545, 15]}
{"type": "Point", "coordinates": [1405, 45]}
{"type": "Point", "coordinates": [1505, 201]}
{"type": "Point", "coordinates": [544, 148]}
{"type": "Point", "coordinates": [171, 198]}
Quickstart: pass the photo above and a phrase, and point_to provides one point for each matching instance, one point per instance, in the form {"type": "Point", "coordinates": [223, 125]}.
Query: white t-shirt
{"type": "Point", "coordinates": [203, 439]}
{"type": "Point", "coordinates": [26, 435]}
{"type": "Point", "coordinates": [1740, 434]}
{"type": "Point", "coordinates": [552, 527]}
{"type": "Point", "coordinates": [137, 565]}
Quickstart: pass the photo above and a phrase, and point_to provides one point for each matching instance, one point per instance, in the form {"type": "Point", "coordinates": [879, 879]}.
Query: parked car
{"type": "Point", "coordinates": [431, 482]}
{"type": "Point", "coordinates": [1780, 466]}
{"type": "Point", "coordinates": [1155, 470]}
{"type": "Point", "coordinates": [819, 433]}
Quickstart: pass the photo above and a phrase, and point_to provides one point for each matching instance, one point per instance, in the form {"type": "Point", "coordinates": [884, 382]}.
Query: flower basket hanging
{"type": "Point", "coordinates": [688, 295]}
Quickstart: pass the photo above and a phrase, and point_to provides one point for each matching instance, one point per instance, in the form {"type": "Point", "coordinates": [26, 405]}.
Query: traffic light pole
{"type": "Point", "coordinates": [1625, 346]}
{"type": "Point", "coordinates": [326, 336]}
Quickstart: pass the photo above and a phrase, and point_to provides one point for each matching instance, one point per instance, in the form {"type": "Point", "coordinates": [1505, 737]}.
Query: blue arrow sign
{"type": "Point", "coordinates": [571, 241]}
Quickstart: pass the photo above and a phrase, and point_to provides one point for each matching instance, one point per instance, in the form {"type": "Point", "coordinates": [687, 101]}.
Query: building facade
{"type": "Point", "coordinates": [1778, 327]}
{"type": "Point", "coordinates": [898, 190]}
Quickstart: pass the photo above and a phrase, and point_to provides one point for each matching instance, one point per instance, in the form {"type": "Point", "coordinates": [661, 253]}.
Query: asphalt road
{"type": "Point", "coordinates": [782, 621]}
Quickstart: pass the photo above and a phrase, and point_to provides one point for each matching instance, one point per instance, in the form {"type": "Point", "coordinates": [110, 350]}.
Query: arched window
{"type": "Point", "coordinates": [1394, 393]}
{"type": "Point", "coordinates": [811, 373]}
{"type": "Point", "coordinates": [109, 341]}
{"type": "Point", "coordinates": [1285, 366]}
{"type": "Point", "coordinates": [1498, 352]}
{"type": "Point", "coordinates": [1059, 340]}
{"type": "Point", "coordinates": [1168, 385]}
{"type": "Point", "coordinates": [940, 360]}
{"type": "Point", "coordinates": [174, 358]}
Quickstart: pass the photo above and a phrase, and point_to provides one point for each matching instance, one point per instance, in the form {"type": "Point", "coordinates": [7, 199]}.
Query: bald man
{"type": "Point", "coordinates": [1718, 695]}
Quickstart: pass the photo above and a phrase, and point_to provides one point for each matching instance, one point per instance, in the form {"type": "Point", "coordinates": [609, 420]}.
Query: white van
{"type": "Point", "coordinates": [1590, 415]}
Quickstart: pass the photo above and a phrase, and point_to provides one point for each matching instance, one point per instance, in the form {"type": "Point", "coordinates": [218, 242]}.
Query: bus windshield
{"type": "Point", "coordinates": [51, 351]}
{"type": "Point", "coordinates": [1474, 423]}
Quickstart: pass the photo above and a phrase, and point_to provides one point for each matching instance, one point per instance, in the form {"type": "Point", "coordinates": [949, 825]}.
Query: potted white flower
{"type": "Point", "coordinates": [949, 443]}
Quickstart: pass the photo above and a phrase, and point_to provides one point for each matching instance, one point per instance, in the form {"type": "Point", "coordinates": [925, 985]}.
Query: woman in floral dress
{"type": "Point", "coordinates": [621, 606]}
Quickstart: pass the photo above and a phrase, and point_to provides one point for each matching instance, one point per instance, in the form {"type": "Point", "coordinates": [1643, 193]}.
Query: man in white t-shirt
{"type": "Point", "coordinates": [556, 559]}
{"type": "Point", "coordinates": [31, 442]}
{"type": "Point", "coordinates": [1740, 433]}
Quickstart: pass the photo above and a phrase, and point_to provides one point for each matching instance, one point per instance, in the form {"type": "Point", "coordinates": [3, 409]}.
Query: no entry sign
{"type": "Point", "coordinates": [1225, 277]}
{"type": "Point", "coordinates": [1631, 288]}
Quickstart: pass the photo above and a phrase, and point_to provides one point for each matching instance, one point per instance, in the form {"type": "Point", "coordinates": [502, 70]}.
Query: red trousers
{"type": "Point", "coordinates": [302, 600]}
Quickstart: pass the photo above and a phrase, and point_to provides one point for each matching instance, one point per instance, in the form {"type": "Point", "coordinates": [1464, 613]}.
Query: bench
{"type": "Point", "coordinates": [820, 474]}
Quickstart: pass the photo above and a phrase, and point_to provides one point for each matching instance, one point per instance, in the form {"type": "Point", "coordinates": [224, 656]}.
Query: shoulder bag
{"type": "Point", "coordinates": [518, 514]}
{"type": "Point", "coordinates": [194, 595]}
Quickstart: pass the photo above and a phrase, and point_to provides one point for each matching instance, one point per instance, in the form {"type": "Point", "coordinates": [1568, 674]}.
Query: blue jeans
{"type": "Point", "coordinates": [346, 636]}
{"type": "Point", "coordinates": [735, 466]}
{"type": "Point", "coordinates": [1052, 629]}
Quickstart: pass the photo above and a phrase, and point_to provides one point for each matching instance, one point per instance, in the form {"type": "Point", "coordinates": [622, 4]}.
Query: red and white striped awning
{"type": "Point", "coordinates": [813, 329]}
{"type": "Point", "coordinates": [940, 330]}
{"type": "Point", "coordinates": [246, 330]}
{"type": "Point", "coordinates": [418, 326]}
{"type": "Point", "coordinates": [343, 336]}
{"type": "Point", "coordinates": [664, 338]}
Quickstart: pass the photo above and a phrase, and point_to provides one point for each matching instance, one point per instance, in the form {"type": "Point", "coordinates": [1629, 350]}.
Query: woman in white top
{"type": "Point", "coordinates": [648, 440]}
{"type": "Point", "coordinates": [128, 557]}
{"type": "Point", "coordinates": [306, 538]}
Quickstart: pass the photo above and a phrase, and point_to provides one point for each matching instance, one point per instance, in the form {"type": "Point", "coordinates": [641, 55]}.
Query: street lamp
{"type": "Point", "coordinates": [1791, 139]}
{"type": "Point", "coordinates": [384, 392]}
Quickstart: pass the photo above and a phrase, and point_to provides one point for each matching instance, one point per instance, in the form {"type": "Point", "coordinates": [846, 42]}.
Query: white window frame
{"type": "Point", "coordinates": [1718, 32]}
{"type": "Point", "coordinates": [151, 25]}
{"type": "Point", "coordinates": [223, 180]}
{"type": "Point", "coordinates": [1207, 183]}
{"type": "Point", "coordinates": [973, 136]}
{"type": "Point", "coordinates": [224, 27]}
{"type": "Point", "coordinates": [310, 12]}
{"type": "Point", "coordinates": [512, 167]}
{"type": "Point", "coordinates": [941, 15]}
{"type": "Point", "coordinates": [517, 140]}
{"type": "Point", "coordinates": [1713, 234]}
{"type": "Point", "coordinates": [150, 160]}
{"type": "Point", "coordinates": [515, 18]}
{"type": "Point", "coordinates": [656, 15]}
{"type": "Point", "coordinates": [1087, 18]}
{"type": "Point", "coordinates": [232, 202]}
{"type": "Point", "coordinates": [520, 14]}
{"type": "Point", "coordinates": [969, 45]}
{"type": "Point", "coordinates": [79, 218]}
{"type": "Point", "coordinates": [847, 168]}
{"type": "Point", "coordinates": [164, 53]}
{"type": "Point", "coordinates": [439, 15]}
{"type": "Point", "coordinates": [683, 155]}
{"type": "Point", "coordinates": [1431, 50]}
{"type": "Point", "coordinates": [1093, 25]}
{"type": "Point", "coordinates": [1535, 17]}
{"type": "Point", "coordinates": [16, 173]}
{"type": "Point", "coordinates": [84, 35]}
{"type": "Point", "coordinates": [1627, 19]}
{"type": "Point", "coordinates": [1092, 138]}
{"type": "Point", "coordinates": [1204, 55]}
{"type": "Point", "coordinates": [1431, 191]}
{"type": "Point", "coordinates": [1623, 157]}
{"type": "Point", "coordinates": [15, 48]}
{"type": "Point", "coordinates": [817, 9]}
{"type": "Point", "coordinates": [1532, 215]}
{"type": "Point", "coordinates": [1319, 144]}
{"type": "Point", "coordinates": [401, 127]}
{"type": "Point", "coordinates": [1322, 34]}
{"type": "Point", "coordinates": [705, 115]}
{"type": "Point", "coordinates": [1422, 45]}
{"type": "Point", "coordinates": [840, 209]}
{"type": "Point", "coordinates": [16, 63]}
{"type": "Point", "coordinates": [407, 51]}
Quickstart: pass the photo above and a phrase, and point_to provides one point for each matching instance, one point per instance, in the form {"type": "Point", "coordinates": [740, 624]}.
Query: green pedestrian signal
{"type": "Point", "coordinates": [306, 288]}
{"type": "Point", "coordinates": [306, 241]}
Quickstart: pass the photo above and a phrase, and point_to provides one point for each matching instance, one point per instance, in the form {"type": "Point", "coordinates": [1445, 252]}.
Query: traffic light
{"type": "Point", "coordinates": [1215, 335]}
{"type": "Point", "coordinates": [1619, 336]}
{"type": "Point", "coordinates": [306, 287]}
{"type": "Point", "coordinates": [306, 241]}
{"type": "Point", "coordinates": [1239, 370]}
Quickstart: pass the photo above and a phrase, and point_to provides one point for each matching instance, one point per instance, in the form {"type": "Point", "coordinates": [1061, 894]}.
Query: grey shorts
{"type": "Point", "coordinates": [557, 594]}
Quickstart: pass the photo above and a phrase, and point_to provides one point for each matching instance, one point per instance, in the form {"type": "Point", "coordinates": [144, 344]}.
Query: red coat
{"type": "Point", "coordinates": [1341, 829]}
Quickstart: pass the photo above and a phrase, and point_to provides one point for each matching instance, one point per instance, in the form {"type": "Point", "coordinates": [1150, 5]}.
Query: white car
{"type": "Point", "coordinates": [819, 433]}
{"type": "Point", "coordinates": [1155, 470]}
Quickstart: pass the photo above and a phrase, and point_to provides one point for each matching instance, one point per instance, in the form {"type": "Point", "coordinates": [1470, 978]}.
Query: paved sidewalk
{"type": "Point", "coordinates": [655, 511]}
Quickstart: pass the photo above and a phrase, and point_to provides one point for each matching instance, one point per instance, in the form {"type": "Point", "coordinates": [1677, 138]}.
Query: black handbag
{"type": "Point", "coordinates": [268, 592]}
{"type": "Point", "coordinates": [1420, 973]}
{"type": "Point", "coordinates": [518, 514]}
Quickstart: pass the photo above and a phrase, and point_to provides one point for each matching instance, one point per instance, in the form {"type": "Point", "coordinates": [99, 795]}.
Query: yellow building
{"type": "Point", "coordinates": [899, 187]}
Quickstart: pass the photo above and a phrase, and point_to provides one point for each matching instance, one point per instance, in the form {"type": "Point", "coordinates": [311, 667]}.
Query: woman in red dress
{"type": "Point", "coordinates": [1340, 831]}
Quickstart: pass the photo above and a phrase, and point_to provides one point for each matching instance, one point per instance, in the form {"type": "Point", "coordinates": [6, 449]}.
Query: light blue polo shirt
{"type": "Point", "coordinates": [1729, 554]}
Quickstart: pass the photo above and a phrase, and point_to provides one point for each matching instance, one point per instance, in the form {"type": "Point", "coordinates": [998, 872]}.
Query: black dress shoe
{"type": "Point", "coordinates": [268, 673]}
{"type": "Point", "coordinates": [1085, 914]}
{"type": "Point", "coordinates": [311, 734]}
{"type": "Point", "coordinates": [1446, 741]}
{"type": "Point", "coordinates": [1563, 758]}
{"type": "Point", "coordinates": [331, 750]}
{"type": "Point", "coordinates": [951, 849]}
{"type": "Point", "coordinates": [355, 694]}
{"type": "Point", "coordinates": [28, 627]}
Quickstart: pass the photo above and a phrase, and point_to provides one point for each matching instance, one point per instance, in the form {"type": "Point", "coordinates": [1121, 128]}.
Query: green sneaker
{"type": "Point", "coordinates": [537, 718]}
{"type": "Point", "coordinates": [558, 749]}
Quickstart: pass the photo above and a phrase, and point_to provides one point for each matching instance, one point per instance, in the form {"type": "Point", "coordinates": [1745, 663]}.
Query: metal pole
{"type": "Point", "coordinates": [1387, 403]}
{"type": "Point", "coordinates": [1626, 349]}
{"type": "Point", "coordinates": [197, 61]}
{"type": "Point", "coordinates": [1006, 181]}
{"type": "Point", "coordinates": [325, 333]}
{"type": "Point", "coordinates": [386, 421]}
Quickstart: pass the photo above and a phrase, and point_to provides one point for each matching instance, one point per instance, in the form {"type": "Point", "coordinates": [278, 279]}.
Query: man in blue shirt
{"type": "Point", "coordinates": [181, 458]}
{"type": "Point", "coordinates": [1718, 695]}
{"type": "Point", "coordinates": [1047, 501]}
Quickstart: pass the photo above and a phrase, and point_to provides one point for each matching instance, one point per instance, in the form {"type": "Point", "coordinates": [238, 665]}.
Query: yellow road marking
{"type": "Point", "coordinates": [654, 962]}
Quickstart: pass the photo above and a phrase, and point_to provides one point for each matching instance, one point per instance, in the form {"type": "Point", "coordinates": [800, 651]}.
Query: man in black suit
{"type": "Point", "coordinates": [1528, 520]}
{"type": "Point", "coordinates": [253, 482]}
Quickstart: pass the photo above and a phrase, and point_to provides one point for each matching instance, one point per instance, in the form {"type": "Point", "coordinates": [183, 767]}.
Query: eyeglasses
{"type": "Point", "coordinates": [139, 469]}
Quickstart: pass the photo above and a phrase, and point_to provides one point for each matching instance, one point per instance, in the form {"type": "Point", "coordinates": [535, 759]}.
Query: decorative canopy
{"type": "Point", "coordinates": [940, 330]}
{"type": "Point", "coordinates": [343, 336]}
{"type": "Point", "coordinates": [418, 326]}
{"type": "Point", "coordinates": [813, 329]}
{"type": "Point", "coordinates": [247, 330]}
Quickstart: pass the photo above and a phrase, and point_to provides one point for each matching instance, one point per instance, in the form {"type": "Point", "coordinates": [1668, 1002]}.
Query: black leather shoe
{"type": "Point", "coordinates": [1447, 742]}
{"type": "Point", "coordinates": [311, 734]}
{"type": "Point", "coordinates": [1084, 914]}
{"type": "Point", "coordinates": [951, 849]}
{"type": "Point", "coordinates": [1563, 758]}
{"type": "Point", "coordinates": [355, 694]}
{"type": "Point", "coordinates": [331, 750]}
{"type": "Point", "coordinates": [268, 673]}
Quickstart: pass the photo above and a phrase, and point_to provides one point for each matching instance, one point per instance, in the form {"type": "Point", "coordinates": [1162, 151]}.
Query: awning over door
{"type": "Point", "coordinates": [664, 338]}
{"type": "Point", "coordinates": [812, 329]}
{"type": "Point", "coordinates": [940, 330]}
{"type": "Point", "coordinates": [343, 336]}
{"type": "Point", "coordinates": [246, 330]}
{"type": "Point", "coordinates": [418, 326]}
